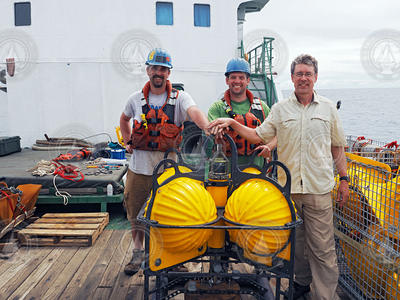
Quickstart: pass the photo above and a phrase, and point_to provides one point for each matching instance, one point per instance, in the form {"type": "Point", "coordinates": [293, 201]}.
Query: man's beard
{"type": "Point", "coordinates": [157, 85]}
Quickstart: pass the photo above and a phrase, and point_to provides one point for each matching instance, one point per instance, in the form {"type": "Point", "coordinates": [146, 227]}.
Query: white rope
{"type": "Point", "coordinates": [62, 194]}
{"type": "Point", "coordinates": [42, 168]}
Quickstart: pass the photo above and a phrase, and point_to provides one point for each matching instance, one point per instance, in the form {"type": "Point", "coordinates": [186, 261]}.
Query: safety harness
{"type": "Point", "coordinates": [157, 131]}
{"type": "Point", "coordinates": [253, 118]}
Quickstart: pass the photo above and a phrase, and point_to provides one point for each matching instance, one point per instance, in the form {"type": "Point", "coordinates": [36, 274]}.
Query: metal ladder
{"type": "Point", "coordinates": [261, 77]}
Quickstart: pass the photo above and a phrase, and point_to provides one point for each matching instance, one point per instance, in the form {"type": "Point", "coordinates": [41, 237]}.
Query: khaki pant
{"type": "Point", "coordinates": [315, 255]}
{"type": "Point", "coordinates": [136, 192]}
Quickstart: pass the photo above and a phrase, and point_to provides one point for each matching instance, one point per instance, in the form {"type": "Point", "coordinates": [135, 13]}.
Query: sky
{"type": "Point", "coordinates": [338, 34]}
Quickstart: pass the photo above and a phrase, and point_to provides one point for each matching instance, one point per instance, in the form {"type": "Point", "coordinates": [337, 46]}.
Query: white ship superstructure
{"type": "Point", "coordinates": [76, 62]}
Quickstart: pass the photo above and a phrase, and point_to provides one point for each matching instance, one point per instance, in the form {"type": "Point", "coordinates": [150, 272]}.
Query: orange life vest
{"type": "Point", "coordinates": [157, 130]}
{"type": "Point", "coordinates": [253, 118]}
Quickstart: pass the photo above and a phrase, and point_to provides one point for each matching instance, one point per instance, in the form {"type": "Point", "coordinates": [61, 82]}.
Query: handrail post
{"type": "Point", "coordinates": [260, 60]}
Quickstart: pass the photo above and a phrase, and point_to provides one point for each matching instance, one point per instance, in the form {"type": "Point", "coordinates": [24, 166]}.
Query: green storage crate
{"type": "Point", "coordinates": [9, 144]}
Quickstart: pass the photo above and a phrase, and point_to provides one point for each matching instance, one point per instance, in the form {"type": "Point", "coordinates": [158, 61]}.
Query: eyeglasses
{"type": "Point", "coordinates": [301, 74]}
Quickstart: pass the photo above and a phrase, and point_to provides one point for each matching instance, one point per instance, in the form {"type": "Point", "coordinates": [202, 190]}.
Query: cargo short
{"type": "Point", "coordinates": [137, 190]}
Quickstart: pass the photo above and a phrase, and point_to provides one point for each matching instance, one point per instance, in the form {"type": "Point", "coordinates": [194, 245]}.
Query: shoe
{"type": "Point", "coordinates": [299, 291]}
{"type": "Point", "coordinates": [136, 262]}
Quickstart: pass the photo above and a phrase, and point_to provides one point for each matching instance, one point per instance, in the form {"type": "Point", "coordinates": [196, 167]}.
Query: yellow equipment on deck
{"type": "Point", "coordinates": [368, 230]}
{"type": "Point", "coordinates": [221, 216]}
{"type": "Point", "coordinates": [182, 201]}
{"type": "Point", "coordinates": [258, 202]}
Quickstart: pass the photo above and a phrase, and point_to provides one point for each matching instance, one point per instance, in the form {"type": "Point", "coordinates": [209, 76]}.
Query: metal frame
{"type": "Point", "coordinates": [101, 199]}
{"type": "Point", "coordinates": [260, 61]}
{"type": "Point", "coordinates": [170, 283]}
{"type": "Point", "coordinates": [388, 153]}
{"type": "Point", "coordinates": [367, 230]}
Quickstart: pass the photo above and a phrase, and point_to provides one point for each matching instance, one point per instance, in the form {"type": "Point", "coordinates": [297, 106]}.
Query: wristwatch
{"type": "Point", "coordinates": [344, 178]}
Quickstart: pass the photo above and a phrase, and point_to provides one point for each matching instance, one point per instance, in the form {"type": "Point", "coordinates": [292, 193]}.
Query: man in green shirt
{"type": "Point", "coordinates": [240, 104]}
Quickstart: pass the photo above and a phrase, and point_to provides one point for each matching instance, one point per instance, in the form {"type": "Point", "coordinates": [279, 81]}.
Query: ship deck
{"type": "Point", "coordinates": [72, 273]}
{"type": "Point", "coordinates": [94, 272]}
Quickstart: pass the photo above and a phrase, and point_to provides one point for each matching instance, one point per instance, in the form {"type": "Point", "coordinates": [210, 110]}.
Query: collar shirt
{"type": "Point", "coordinates": [305, 136]}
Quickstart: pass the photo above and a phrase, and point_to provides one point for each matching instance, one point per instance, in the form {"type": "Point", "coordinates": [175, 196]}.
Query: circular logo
{"type": "Point", "coordinates": [73, 130]}
{"type": "Point", "coordinates": [193, 152]}
{"type": "Point", "coordinates": [380, 55]}
{"type": "Point", "coordinates": [318, 151]}
{"type": "Point", "coordinates": [280, 51]}
{"type": "Point", "coordinates": [260, 245]}
{"type": "Point", "coordinates": [18, 52]}
{"type": "Point", "coordinates": [130, 50]}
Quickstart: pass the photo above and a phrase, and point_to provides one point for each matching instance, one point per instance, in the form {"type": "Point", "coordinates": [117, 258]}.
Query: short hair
{"type": "Point", "coordinates": [304, 59]}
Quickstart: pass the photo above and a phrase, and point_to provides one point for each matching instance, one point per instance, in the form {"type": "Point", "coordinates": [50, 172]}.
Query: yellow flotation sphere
{"type": "Point", "coordinates": [171, 172]}
{"type": "Point", "coordinates": [258, 202]}
{"type": "Point", "coordinates": [182, 202]}
{"type": "Point", "coordinates": [252, 170]}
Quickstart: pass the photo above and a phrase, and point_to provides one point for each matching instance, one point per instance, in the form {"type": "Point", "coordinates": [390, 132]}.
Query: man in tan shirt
{"type": "Point", "coordinates": [310, 137]}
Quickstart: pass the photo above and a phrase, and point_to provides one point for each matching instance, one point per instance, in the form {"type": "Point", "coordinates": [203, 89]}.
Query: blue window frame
{"type": "Point", "coordinates": [164, 13]}
{"type": "Point", "coordinates": [22, 13]}
{"type": "Point", "coordinates": [202, 15]}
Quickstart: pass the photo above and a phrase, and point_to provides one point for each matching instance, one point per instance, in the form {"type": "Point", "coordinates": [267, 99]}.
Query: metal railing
{"type": "Point", "coordinates": [384, 152]}
{"type": "Point", "coordinates": [260, 60]}
{"type": "Point", "coordinates": [367, 231]}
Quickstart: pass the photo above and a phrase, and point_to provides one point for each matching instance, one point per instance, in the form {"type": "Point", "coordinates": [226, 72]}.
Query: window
{"type": "Point", "coordinates": [202, 15]}
{"type": "Point", "coordinates": [22, 13]}
{"type": "Point", "coordinates": [164, 13]}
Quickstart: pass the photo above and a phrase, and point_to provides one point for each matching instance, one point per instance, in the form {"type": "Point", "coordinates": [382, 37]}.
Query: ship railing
{"type": "Point", "coordinates": [261, 69]}
{"type": "Point", "coordinates": [384, 152]}
{"type": "Point", "coordinates": [260, 57]}
{"type": "Point", "coordinates": [367, 231]}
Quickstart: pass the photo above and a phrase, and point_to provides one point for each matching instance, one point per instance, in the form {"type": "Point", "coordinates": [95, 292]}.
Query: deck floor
{"type": "Point", "coordinates": [73, 272]}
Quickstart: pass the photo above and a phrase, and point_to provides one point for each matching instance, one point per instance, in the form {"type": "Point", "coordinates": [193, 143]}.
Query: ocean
{"type": "Point", "coordinates": [372, 113]}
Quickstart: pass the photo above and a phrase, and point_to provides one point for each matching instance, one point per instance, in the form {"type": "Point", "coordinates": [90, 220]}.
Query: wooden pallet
{"type": "Point", "coordinates": [64, 229]}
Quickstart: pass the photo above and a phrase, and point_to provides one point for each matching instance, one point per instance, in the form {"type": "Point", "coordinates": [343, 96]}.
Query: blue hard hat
{"type": "Point", "coordinates": [159, 57]}
{"type": "Point", "coordinates": [237, 65]}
